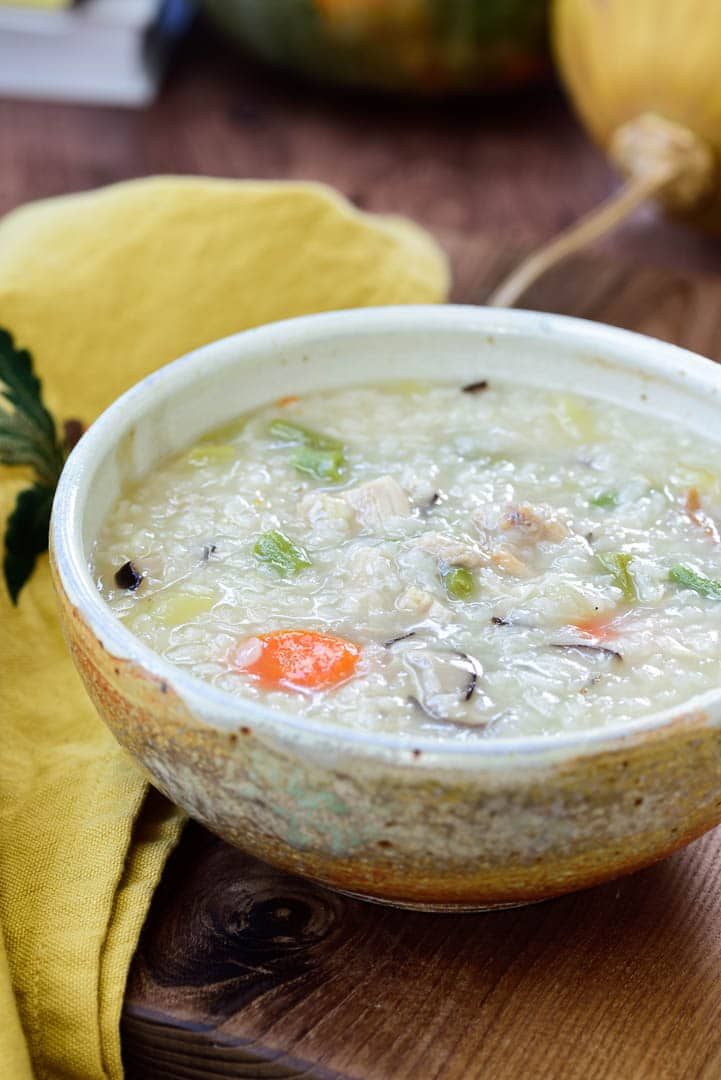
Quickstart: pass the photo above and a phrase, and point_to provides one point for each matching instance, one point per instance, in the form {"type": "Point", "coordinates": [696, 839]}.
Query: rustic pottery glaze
{"type": "Point", "coordinates": [401, 820]}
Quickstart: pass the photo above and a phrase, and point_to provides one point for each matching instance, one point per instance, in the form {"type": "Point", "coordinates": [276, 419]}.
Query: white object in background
{"type": "Point", "coordinates": [100, 52]}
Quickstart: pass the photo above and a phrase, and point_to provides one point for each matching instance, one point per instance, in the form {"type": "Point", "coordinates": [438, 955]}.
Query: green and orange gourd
{"type": "Point", "coordinates": [424, 47]}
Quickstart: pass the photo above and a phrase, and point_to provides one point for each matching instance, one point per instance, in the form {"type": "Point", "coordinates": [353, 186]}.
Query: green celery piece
{"type": "Point", "coordinates": [315, 454]}
{"type": "Point", "coordinates": [691, 579]}
{"type": "Point", "coordinates": [277, 550]}
{"type": "Point", "coordinates": [616, 563]}
{"type": "Point", "coordinates": [605, 499]}
{"type": "Point", "coordinates": [458, 582]}
{"type": "Point", "coordinates": [324, 464]}
{"type": "Point", "coordinates": [296, 433]}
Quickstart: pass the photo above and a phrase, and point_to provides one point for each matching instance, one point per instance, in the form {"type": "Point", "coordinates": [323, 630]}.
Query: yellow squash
{"type": "Point", "coordinates": [645, 79]}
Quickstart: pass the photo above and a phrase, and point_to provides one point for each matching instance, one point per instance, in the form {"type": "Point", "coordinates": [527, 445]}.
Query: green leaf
{"type": "Point", "coordinates": [605, 499]}
{"type": "Point", "coordinates": [323, 464]}
{"type": "Point", "coordinates": [277, 550]}
{"type": "Point", "coordinates": [316, 454]}
{"type": "Point", "coordinates": [26, 536]}
{"type": "Point", "coordinates": [458, 582]}
{"type": "Point", "coordinates": [616, 563]}
{"type": "Point", "coordinates": [27, 437]}
{"type": "Point", "coordinates": [691, 579]}
{"type": "Point", "coordinates": [21, 387]}
{"type": "Point", "coordinates": [27, 430]}
{"type": "Point", "coordinates": [296, 433]}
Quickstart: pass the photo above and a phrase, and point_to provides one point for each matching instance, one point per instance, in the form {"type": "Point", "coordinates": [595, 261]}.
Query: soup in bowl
{"type": "Point", "coordinates": [423, 603]}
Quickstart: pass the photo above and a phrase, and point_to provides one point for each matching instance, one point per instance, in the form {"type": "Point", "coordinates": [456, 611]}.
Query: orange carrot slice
{"type": "Point", "coordinates": [289, 399]}
{"type": "Point", "coordinates": [304, 659]}
{"type": "Point", "coordinates": [598, 626]}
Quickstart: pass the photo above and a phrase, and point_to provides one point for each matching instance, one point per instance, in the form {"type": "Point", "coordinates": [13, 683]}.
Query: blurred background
{"type": "Point", "coordinates": [448, 111]}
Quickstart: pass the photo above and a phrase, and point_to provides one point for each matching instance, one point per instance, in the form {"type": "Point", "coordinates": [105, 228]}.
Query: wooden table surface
{"type": "Point", "coordinates": [244, 971]}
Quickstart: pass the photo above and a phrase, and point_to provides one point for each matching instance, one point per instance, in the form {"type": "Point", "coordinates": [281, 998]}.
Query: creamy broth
{"type": "Point", "coordinates": [468, 562]}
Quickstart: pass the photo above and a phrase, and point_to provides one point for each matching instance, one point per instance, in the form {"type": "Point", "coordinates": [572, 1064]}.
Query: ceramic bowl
{"type": "Point", "coordinates": [394, 818]}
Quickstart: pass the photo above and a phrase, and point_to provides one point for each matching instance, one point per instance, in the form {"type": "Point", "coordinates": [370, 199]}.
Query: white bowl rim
{"type": "Point", "coordinates": [225, 711]}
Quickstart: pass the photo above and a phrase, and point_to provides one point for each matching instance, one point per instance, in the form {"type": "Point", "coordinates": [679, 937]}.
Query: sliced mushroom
{"type": "Point", "coordinates": [519, 624]}
{"type": "Point", "coordinates": [413, 700]}
{"type": "Point", "coordinates": [435, 498]}
{"type": "Point", "coordinates": [445, 682]}
{"type": "Point", "coordinates": [587, 646]}
{"type": "Point", "coordinates": [475, 672]}
{"type": "Point", "coordinates": [128, 577]}
{"type": "Point", "coordinates": [399, 637]}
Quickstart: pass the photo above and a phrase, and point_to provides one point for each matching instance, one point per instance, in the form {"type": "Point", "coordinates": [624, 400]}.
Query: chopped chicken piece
{"type": "Point", "coordinates": [376, 501]}
{"type": "Point", "coordinates": [528, 523]}
{"type": "Point", "coordinates": [509, 563]}
{"type": "Point", "coordinates": [451, 550]}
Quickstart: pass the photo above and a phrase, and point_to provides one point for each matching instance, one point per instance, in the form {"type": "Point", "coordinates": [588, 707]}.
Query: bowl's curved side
{"type": "Point", "coordinates": [414, 830]}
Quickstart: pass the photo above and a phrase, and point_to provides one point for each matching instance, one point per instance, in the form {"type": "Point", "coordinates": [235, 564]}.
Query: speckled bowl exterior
{"type": "Point", "coordinates": [393, 818]}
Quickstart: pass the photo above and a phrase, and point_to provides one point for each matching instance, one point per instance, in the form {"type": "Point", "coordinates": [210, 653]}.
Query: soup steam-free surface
{"type": "Point", "coordinates": [474, 562]}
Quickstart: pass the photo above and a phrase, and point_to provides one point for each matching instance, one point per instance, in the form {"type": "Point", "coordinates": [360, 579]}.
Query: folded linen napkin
{"type": "Point", "coordinates": [102, 288]}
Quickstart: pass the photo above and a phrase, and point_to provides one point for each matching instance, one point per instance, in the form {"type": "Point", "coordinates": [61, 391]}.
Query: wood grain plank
{"type": "Point", "coordinates": [240, 963]}
{"type": "Point", "coordinates": [158, 1049]}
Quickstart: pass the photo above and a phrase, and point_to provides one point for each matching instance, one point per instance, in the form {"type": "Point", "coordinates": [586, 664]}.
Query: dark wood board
{"type": "Point", "coordinates": [246, 972]}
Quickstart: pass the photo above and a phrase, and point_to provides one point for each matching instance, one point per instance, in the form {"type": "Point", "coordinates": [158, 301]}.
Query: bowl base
{"type": "Point", "coordinates": [441, 908]}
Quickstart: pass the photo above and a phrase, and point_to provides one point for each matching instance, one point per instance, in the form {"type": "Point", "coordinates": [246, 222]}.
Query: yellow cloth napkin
{"type": "Point", "coordinates": [102, 288]}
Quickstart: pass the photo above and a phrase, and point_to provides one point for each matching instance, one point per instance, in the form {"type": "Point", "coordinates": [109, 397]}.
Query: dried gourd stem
{"type": "Point", "coordinates": [591, 227]}
{"type": "Point", "coordinates": [660, 158]}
